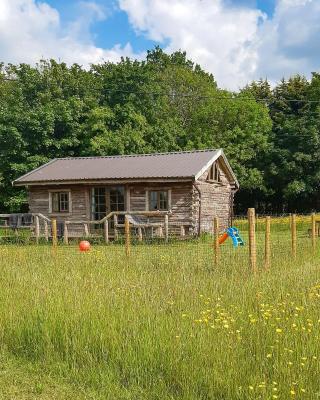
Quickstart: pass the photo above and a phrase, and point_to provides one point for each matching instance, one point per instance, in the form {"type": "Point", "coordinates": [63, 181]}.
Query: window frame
{"type": "Point", "coordinates": [52, 211]}
{"type": "Point", "coordinates": [214, 173]}
{"type": "Point", "coordinates": [158, 192]}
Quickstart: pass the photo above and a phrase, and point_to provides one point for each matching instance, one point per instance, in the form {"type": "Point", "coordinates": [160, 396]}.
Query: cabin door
{"type": "Point", "coordinates": [107, 199]}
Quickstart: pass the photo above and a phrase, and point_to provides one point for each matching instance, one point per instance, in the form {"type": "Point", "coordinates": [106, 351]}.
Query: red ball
{"type": "Point", "coordinates": [84, 245]}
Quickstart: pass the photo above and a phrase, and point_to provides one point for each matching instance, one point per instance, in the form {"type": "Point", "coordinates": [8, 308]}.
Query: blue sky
{"type": "Point", "coordinates": [116, 28]}
{"type": "Point", "coordinates": [236, 40]}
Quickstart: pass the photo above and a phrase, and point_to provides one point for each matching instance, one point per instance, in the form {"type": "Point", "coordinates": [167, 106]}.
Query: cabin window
{"type": "Point", "coordinates": [158, 200]}
{"type": "Point", "coordinates": [107, 199]}
{"type": "Point", "coordinates": [99, 204]}
{"type": "Point", "coordinates": [214, 174]}
{"type": "Point", "coordinates": [60, 202]}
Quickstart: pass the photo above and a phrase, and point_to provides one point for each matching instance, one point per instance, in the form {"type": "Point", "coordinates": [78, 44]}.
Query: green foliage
{"type": "Point", "coordinates": [164, 103]}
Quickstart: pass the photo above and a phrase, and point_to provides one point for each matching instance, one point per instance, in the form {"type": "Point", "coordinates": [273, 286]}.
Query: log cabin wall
{"type": "Point", "coordinates": [216, 200]}
{"type": "Point", "coordinates": [137, 199]}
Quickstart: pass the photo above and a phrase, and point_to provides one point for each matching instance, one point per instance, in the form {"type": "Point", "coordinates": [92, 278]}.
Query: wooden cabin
{"type": "Point", "coordinates": [191, 187]}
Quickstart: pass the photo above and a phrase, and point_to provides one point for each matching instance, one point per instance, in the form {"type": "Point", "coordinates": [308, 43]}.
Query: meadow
{"type": "Point", "coordinates": [164, 323]}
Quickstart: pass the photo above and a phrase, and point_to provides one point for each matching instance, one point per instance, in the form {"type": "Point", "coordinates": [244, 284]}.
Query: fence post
{"type": "Point", "coordinates": [293, 235]}
{"type": "Point", "coordinates": [139, 234]}
{"type": "Point", "coordinates": [216, 240]}
{"type": "Point", "coordinates": [115, 223]}
{"type": "Point", "coordinates": [54, 232]}
{"type": "Point", "coordinates": [252, 239]}
{"type": "Point", "coordinates": [37, 228]}
{"type": "Point", "coordinates": [86, 230]}
{"type": "Point", "coordinates": [267, 245]}
{"type": "Point", "coordinates": [313, 231]}
{"type": "Point", "coordinates": [166, 227]}
{"type": "Point", "coordinates": [127, 235]}
{"type": "Point", "coordinates": [46, 231]}
{"type": "Point", "coordinates": [106, 231]}
{"type": "Point", "coordinates": [65, 233]}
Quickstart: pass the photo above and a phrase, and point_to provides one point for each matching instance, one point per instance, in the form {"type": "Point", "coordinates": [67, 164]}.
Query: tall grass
{"type": "Point", "coordinates": [164, 323]}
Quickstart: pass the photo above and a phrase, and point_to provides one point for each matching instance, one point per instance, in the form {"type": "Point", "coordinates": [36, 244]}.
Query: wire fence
{"type": "Point", "coordinates": [257, 242]}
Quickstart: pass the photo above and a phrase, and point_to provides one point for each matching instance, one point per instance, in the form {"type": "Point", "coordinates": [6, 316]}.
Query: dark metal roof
{"type": "Point", "coordinates": [186, 164]}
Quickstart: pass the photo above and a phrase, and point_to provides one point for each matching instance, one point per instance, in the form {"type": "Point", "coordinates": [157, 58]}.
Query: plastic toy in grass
{"type": "Point", "coordinates": [84, 245]}
{"type": "Point", "coordinates": [233, 233]}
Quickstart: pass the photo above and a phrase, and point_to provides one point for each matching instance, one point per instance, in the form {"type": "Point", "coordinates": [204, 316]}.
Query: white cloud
{"type": "Point", "coordinates": [235, 44]}
{"type": "Point", "coordinates": [30, 30]}
{"type": "Point", "coordinates": [289, 43]}
{"type": "Point", "coordinates": [216, 36]}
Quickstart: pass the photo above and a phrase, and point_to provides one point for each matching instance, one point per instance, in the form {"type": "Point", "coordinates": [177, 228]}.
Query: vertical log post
{"type": "Point", "coordinates": [252, 239]}
{"type": "Point", "coordinates": [160, 231]}
{"type": "Point", "coordinates": [293, 235]}
{"type": "Point", "coordinates": [139, 234]}
{"type": "Point", "coordinates": [46, 230]}
{"type": "Point", "coordinates": [106, 231]}
{"type": "Point", "coordinates": [166, 227]}
{"type": "Point", "coordinates": [115, 223]}
{"type": "Point", "coordinates": [65, 233]}
{"type": "Point", "coordinates": [54, 233]}
{"type": "Point", "coordinates": [267, 249]}
{"type": "Point", "coordinates": [182, 231]}
{"type": "Point", "coordinates": [313, 232]}
{"type": "Point", "coordinates": [216, 240]}
{"type": "Point", "coordinates": [86, 230]}
{"type": "Point", "coordinates": [37, 228]}
{"type": "Point", "coordinates": [127, 235]}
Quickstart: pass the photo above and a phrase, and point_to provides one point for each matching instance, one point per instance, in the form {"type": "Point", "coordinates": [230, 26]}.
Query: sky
{"type": "Point", "coordinates": [236, 40]}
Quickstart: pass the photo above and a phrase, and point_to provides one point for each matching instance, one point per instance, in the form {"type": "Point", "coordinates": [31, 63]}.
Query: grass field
{"type": "Point", "coordinates": [163, 324]}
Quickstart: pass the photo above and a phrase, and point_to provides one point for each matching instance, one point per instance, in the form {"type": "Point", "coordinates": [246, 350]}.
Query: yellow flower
{"type": "Point", "coordinates": [303, 390]}
{"type": "Point", "coordinates": [278, 330]}
{"type": "Point", "coordinates": [274, 396]}
{"type": "Point", "coordinates": [251, 387]}
{"type": "Point", "coordinates": [269, 355]}
{"type": "Point", "coordinates": [292, 392]}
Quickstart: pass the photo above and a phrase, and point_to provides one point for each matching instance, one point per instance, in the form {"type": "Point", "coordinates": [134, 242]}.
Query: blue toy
{"type": "Point", "coordinates": [233, 233]}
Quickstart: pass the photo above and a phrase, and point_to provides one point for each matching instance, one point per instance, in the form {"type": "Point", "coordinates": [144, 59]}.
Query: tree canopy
{"type": "Point", "coordinates": [163, 103]}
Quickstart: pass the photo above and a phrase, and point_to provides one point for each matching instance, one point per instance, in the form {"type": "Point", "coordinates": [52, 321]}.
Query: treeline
{"type": "Point", "coordinates": [164, 103]}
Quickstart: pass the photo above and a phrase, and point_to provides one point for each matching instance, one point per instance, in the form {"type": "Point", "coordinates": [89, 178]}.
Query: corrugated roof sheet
{"type": "Point", "coordinates": [159, 165]}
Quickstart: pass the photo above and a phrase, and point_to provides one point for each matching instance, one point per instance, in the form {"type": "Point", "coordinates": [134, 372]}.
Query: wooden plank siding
{"type": "Point", "coordinates": [216, 201]}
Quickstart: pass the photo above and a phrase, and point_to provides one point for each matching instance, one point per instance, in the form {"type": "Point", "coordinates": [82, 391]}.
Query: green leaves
{"type": "Point", "coordinates": [165, 103]}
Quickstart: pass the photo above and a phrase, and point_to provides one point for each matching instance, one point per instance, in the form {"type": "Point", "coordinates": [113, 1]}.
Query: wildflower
{"type": "Point", "coordinates": [303, 390]}
{"type": "Point", "coordinates": [274, 396]}
{"type": "Point", "coordinates": [251, 387]}
{"type": "Point", "coordinates": [292, 392]}
{"type": "Point", "coordinates": [278, 330]}
{"type": "Point", "coordinates": [269, 355]}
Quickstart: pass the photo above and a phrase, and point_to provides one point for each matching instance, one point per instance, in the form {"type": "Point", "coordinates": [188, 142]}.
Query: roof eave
{"type": "Point", "coordinates": [103, 181]}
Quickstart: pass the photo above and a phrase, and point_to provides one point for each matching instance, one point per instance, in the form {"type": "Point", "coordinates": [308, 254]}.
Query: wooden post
{"type": "Point", "coordinates": [293, 235]}
{"type": "Point", "coordinates": [252, 239]}
{"type": "Point", "coordinates": [139, 234]}
{"type": "Point", "coordinates": [115, 222]}
{"type": "Point", "coordinates": [267, 251]}
{"type": "Point", "coordinates": [65, 233]}
{"type": "Point", "coordinates": [106, 231]}
{"type": "Point", "coordinates": [166, 227]}
{"type": "Point", "coordinates": [160, 231]}
{"type": "Point", "coordinates": [216, 240]}
{"type": "Point", "coordinates": [182, 231]}
{"type": "Point", "coordinates": [37, 228]}
{"type": "Point", "coordinates": [86, 230]}
{"type": "Point", "coordinates": [46, 231]}
{"type": "Point", "coordinates": [127, 235]}
{"type": "Point", "coordinates": [313, 231]}
{"type": "Point", "coordinates": [54, 233]}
